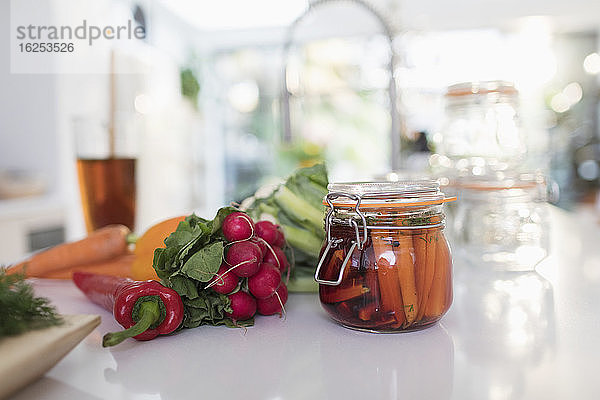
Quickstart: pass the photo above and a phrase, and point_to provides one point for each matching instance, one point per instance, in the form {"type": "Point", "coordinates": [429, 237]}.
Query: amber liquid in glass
{"type": "Point", "coordinates": [108, 191]}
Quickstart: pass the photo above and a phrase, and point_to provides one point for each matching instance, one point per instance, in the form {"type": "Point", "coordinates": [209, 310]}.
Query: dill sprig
{"type": "Point", "coordinates": [20, 309]}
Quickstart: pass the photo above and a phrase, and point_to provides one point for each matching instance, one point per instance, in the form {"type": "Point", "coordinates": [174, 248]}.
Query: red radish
{"type": "Point", "coordinates": [270, 232]}
{"type": "Point", "coordinates": [243, 306]}
{"type": "Point", "coordinates": [276, 256]}
{"type": "Point", "coordinates": [280, 239]}
{"type": "Point", "coordinates": [224, 282]}
{"type": "Point", "coordinates": [274, 303]}
{"type": "Point", "coordinates": [265, 282]}
{"type": "Point", "coordinates": [238, 226]}
{"type": "Point", "coordinates": [245, 257]}
{"type": "Point", "coordinates": [261, 244]}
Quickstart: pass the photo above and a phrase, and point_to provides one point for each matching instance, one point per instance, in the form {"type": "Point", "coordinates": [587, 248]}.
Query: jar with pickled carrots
{"type": "Point", "coordinates": [386, 265]}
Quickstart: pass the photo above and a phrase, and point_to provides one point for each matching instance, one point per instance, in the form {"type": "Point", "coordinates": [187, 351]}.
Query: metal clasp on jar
{"type": "Point", "coordinates": [360, 243]}
{"type": "Point", "coordinates": [333, 243]}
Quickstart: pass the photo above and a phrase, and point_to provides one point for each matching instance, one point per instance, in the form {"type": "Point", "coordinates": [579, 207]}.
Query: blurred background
{"type": "Point", "coordinates": [224, 97]}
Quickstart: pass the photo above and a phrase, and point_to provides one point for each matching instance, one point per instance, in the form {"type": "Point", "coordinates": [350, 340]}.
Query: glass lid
{"type": "Point", "coordinates": [494, 182]}
{"type": "Point", "coordinates": [481, 88]}
{"type": "Point", "coordinates": [404, 193]}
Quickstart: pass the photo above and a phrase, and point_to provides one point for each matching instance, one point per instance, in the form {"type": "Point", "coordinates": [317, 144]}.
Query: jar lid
{"type": "Point", "coordinates": [481, 88]}
{"type": "Point", "coordinates": [491, 183]}
{"type": "Point", "coordinates": [406, 193]}
{"type": "Point", "coordinates": [533, 186]}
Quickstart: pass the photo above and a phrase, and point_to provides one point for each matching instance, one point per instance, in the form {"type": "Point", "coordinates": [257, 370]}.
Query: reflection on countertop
{"type": "Point", "coordinates": [387, 366]}
{"type": "Point", "coordinates": [503, 326]}
{"type": "Point", "coordinates": [508, 335]}
{"type": "Point", "coordinates": [282, 359]}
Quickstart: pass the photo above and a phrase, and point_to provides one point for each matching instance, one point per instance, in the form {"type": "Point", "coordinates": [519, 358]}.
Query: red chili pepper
{"type": "Point", "coordinates": [145, 309]}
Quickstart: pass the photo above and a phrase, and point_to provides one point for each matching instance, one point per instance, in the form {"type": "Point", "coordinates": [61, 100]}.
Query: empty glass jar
{"type": "Point", "coordinates": [502, 224]}
{"type": "Point", "coordinates": [481, 130]}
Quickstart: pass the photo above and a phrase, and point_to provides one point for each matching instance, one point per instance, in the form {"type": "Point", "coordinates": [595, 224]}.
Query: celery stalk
{"type": "Point", "coordinates": [302, 239]}
{"type": "Point", "coordinates": [299, 209]}
{"type": "Point", "coordinates": [303, 284]}
{"type": "Point", "coordinates": [266, 209]}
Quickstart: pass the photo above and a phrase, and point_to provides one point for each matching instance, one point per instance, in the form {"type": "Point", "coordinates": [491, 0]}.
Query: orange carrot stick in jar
{"type": "Point", "coordinates": [389, 284]}
{"type": "Point", "coordinates": [335, 294]}
{"type": "Point", "coordinates": [430, 261]}
{"type": "Point", "coordinates": [367, 312]}
{"type": "Point", "coordinates": [420, 246]}
{"type": "Point", "coordinates": [406, 276]}
{"type": "Point", "coordinates": [351, 288]}
{"type": "Point", "coordinates": [437, 296]}
{"type": "Point", "coordinates": [449, 288]}
{"type": "Point", "coordinates": [370, 310]}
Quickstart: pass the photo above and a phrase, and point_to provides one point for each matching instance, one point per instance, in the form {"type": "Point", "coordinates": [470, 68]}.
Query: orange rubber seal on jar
{"type": "Point", "coordinates": [393, 205]}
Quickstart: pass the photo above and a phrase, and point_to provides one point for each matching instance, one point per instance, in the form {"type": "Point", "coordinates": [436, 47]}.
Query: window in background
{"type": "Point", "coordinates": [338, 78]}
{"type": "Point", "coordinates": [435, 60]}
{"type": "Point", "coordinates": [573, 97]}
{"type": "Point", "coordinates": [339, 104]}
{"type": "Point", "coordinates": [558, 95]}
{"type": "Point", "coordinates": [245, 93]}
{"type": "Point", "coordinates": [340, 110]}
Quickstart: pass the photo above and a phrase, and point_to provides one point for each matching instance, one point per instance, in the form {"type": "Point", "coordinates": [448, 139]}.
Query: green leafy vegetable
{"type": "Point", "coordinates": [209, 306]}
{"type": "Point", "coordinates": [186, 288]}
{"type": "Point", "coordinates": [192, 256]}
{"type": "Point", "coordinates": [205, 263]}
{"type": "Point", "coordinates": [20, 309]}
{"type": "Point", "coordinates": [297, 206]}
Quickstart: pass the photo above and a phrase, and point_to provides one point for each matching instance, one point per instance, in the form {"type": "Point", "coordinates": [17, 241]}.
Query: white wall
{"type": "Point", "coordinates": [28, 131]}
{"type": "Point", "coordinates": [163, 133]}
{"type": "Point", "coordinates": [37, 112]}
{"type": "Point", "coordinates": [29, 141]}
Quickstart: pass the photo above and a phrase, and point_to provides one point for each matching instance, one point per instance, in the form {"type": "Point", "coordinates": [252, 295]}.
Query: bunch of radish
{"type": "Point", "coordinates": [251, 272]}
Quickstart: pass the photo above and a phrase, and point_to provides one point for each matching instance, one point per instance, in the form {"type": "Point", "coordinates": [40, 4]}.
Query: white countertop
{"type": "Point", "coordinates": [516, 336]}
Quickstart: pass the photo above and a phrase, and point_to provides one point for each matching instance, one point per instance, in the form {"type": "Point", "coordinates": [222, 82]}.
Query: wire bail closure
{"type": "Point", "coordinates": [334, 243]}
{"type": "Point", "coordinates": [358, 242]}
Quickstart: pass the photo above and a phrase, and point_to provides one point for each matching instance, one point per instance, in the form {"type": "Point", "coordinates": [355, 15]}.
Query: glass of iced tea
{"type": "Point", "coordinates": [106, 168]}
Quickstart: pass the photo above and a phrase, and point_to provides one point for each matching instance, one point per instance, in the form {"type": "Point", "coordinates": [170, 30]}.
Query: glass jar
{"type": "Point", "coordinates": [482, 128]}
{"type": "Point", "coordinates": [386, 265]}
{"type": "Point", "coordinates": [502, 224]}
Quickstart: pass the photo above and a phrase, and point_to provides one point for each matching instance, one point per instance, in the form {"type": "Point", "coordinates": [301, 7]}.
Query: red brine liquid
{"type": "Point", "coordinates": [400, 281]}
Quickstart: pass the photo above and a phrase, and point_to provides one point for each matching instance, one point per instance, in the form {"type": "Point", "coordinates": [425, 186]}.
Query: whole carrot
{"type": "Point", "coordinates": [100, 245]}
{"type": "Point", "coordinates": [119, 266]}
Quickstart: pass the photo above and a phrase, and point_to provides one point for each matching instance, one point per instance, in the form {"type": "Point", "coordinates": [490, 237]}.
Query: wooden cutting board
{"type": "Point", "coordinates": [25, 358]}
